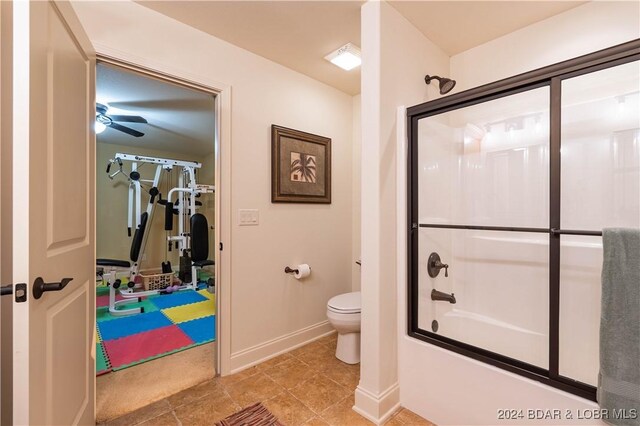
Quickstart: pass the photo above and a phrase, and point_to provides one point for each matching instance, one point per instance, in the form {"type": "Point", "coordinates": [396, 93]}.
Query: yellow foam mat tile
{"type": "Point", "coordinates": [190, 312]}
{"type": "Point", "coordinates": [208, 295]}
{"type": "Point", "coordinates": [98, 337]}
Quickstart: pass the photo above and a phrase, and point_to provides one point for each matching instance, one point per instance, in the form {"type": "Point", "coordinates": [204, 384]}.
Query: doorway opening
{"type": "Point", "coordinates": [156, 308]}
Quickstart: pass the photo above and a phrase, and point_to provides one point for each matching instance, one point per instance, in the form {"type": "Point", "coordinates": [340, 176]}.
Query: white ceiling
{"type": "Point", "coordinates": [456, 26]}
{"type": "Point", "coordinates": [180, 120]}
{"type": "Point", "coordinates": [296, 34]}
{"type": "Point", "coordinates": [299, 34]}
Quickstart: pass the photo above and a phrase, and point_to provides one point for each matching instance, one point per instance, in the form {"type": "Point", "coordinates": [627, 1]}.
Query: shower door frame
{"type": "Point", "coordinates": [550, 76]}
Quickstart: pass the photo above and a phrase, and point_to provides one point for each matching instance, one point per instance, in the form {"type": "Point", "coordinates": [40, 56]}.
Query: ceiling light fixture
{"type": "Point", "coordinates": [100, 127]}
{"type": "Point", "coordinates": [347, 57]}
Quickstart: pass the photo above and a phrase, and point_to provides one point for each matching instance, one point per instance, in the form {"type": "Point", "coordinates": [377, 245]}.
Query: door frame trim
{"type": "Point", "coordinates": [222, 92]}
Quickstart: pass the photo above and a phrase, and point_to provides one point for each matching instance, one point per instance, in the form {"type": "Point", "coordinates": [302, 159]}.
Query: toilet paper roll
{"type": "Point", "coordinates": [304, 270]}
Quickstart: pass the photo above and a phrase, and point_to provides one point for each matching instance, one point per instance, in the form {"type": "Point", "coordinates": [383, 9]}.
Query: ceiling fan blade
{"type": "Point", "coordinates": [128, 118]}
{"type": "Point", "coordinates": [127, 130]}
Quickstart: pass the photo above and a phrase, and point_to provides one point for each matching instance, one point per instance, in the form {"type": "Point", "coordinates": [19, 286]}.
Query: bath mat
{"type": "Point", "coordinates": [140, 347]}
{"type": "Point", "coordinates": [133, 324]}
{"type": "Point", "coordinates": [201, 330]}
{"type": "Point", "coordinates": [102, 363]}
{"type": "Point", "coordinates": [254, 415]}
{"type": "Point", "coordinates": [164, 301]}
{"type": "Point", "coordinates": [191, 311]}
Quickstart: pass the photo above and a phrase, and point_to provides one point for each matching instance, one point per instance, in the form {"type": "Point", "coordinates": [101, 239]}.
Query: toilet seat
{"type": "Point", "coordinates": [348, 303]}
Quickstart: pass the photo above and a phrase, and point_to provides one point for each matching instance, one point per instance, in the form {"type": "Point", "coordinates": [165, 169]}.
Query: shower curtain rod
{"type": "Point", "coordinates": [553, 231]}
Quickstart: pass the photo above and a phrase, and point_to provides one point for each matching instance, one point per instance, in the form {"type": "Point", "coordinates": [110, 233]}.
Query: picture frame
{"type": "Point", "coordinates": [300, 167]}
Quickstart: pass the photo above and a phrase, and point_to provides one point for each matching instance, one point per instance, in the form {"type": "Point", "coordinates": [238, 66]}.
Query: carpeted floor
{"type": "Point", "coordinates": [127, 390]}
{"type": "Point", "coordinates": [170, 323]}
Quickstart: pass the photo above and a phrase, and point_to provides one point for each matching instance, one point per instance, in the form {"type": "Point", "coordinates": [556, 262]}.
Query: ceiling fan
{"type": "Point", "coordinates": [103, 121]}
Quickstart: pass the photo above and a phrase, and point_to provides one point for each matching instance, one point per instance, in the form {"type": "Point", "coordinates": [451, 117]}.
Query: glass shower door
{"type": "Point", "coordinates": [483, 209]}
{"type": "Point", "coordinates": [600, 178]}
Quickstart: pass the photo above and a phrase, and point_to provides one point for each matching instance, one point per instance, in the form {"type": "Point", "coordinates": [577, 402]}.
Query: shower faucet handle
{"type": "Point", "coordinates": [441, 265]}
{"type": "Point", "coordinates": [434, 265]}
{"type": "Point", "coordinates": [446, 270]}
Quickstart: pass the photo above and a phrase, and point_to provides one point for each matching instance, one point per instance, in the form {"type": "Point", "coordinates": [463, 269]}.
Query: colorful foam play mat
{"type": "Point", "coordinates": [170, 323]}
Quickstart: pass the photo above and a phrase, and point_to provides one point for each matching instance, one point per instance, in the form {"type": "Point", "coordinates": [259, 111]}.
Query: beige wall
{"type": "Point", "coordinates": [112, 200]}
{"type": "Point", "coordinates": [268, 308]}
{"type": "Point", "coordinates": [6, 302]}
{"type": "Point", "coordinates": [355, 189]}
{"type": "Point", "coordinates": [391, 77]}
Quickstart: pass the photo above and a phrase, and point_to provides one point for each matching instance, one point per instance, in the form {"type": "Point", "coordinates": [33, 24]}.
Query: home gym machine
{"type": "Point", "coordinates": [191, 242]}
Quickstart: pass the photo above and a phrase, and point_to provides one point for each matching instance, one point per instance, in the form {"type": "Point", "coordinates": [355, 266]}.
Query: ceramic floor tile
{"type": "Point", "coordinates": [290, 373]}
{"type": "Point", "coordinates": [311, 347]}
{"type": "Point", "coordinates": [166, 419]}
{"type": "Point", "coordinates": [330, 340]}
{"type": "Point", "coordinates": [342, 414]}
{"type": "Point", "coordinates": [234, 378]}
{"type": "Point", "coordinates": [316, 421]}
{"type": "Point", "coordinates": [206, 411]}
{"type": "Point", "coordinates": [142, 414]}
{"type": "Point", "coordinates": [196, 392]}
{"type": "Point", "coordinates": [408, 417]}
{"type": "Point", "coordinates": [274, 361]}
{"type": "Point", "coordinates": [393, 421]}
{"type": "Point", "coordinates": [288, 409]}
{"type": "Point", "coordinates": [253, 389]}
{"type": "Point", "coordinates": [319, 393]}
{"type": "Point", "coordinates": [318, 358]}
{"type": "Point", "coordinates": [343, 375]}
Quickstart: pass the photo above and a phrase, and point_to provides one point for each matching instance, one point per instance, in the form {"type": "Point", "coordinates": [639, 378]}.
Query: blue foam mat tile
{"type": "Point", "coordinates": [185, 297]}
{"type": "Point", "coordinates": [200, 330]}
{"type": "Point", "coordinates": [126, 326]}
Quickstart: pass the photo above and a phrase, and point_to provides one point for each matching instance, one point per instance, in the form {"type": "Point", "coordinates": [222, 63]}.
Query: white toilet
{"type": "Point", "coordinates": [343, 312]}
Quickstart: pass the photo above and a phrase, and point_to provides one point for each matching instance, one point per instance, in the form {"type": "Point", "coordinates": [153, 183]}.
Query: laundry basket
{"type": "Point", "coordinates": [154, 279]}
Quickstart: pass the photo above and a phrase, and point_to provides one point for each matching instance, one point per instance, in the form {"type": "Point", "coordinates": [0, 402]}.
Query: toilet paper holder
{"type": "Point", "coordinates": [288, 270]}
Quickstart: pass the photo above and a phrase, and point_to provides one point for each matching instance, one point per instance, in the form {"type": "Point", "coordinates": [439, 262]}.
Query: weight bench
{"type": "Point", "coordinates": [121, 268]}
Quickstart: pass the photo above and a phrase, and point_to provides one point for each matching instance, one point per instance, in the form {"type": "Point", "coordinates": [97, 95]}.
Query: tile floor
{"type": "Point", "coordinates": [307, 386]}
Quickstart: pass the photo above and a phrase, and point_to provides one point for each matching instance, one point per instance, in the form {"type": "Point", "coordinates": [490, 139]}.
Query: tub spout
{"type": "Point", "coordinates": [439, 295]}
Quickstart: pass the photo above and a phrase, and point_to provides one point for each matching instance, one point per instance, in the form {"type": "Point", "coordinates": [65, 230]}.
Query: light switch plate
{"type": "Point", "coordinates": [248, 217]}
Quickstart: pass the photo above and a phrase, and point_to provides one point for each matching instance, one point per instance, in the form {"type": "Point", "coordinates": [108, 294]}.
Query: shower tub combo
{"type": "Point", "coordinates": [510, 185]}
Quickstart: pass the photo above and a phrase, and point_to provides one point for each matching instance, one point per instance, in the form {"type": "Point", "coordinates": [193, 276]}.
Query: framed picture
{"type": "Point", "coordinates": [300, 167]}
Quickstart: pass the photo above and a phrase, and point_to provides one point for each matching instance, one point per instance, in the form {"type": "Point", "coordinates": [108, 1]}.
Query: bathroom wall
{"type": "Point", "coordinates": [270, 311]}
{"type": "Point", "coordinates": [436, 383]}
{"type": "Point", "coordinates": [355, 191]}
{"type": "Point", "coordinates": [112, 241]}
{"type": "Point", "coordinates": [396, 56]}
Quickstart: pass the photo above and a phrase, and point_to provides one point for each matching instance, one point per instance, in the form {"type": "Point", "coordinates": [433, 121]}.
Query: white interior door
{"type": "Point", "coordinates": [53, 212]}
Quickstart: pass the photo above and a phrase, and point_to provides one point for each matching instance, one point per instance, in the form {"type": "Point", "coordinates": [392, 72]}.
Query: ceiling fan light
{"type": "Point", "coordinates": [100, 127]}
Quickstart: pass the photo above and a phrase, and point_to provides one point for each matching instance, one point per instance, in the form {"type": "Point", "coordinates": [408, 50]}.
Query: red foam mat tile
{"type": "Point", "coordinates": [104, 300]}
{"type": "Point", "coordinates": [140, 347]}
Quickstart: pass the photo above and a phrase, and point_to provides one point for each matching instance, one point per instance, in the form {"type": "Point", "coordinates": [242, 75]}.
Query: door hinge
{"type": "Point", "coordinates": [221, 247]}
{"type": "Point", "coordinates": [21, 292]}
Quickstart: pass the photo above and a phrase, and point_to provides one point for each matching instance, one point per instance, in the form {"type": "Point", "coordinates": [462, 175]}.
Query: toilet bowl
{"type": "Point", "coordinates": [343, 312]}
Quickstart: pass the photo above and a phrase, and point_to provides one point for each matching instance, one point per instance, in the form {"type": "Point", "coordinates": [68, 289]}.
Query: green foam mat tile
{"type": "Point", "coordinates": [102, 290]}
{"type": "Point", "coordinates": [102, 363]}
{"type": "Point", "coordinates": [103, 314]}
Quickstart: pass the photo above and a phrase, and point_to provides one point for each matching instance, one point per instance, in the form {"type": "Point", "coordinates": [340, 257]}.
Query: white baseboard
{"type": "Point", "coordinates": [377, 408]}
{"type": "Point", "coordinates": [256, 354]}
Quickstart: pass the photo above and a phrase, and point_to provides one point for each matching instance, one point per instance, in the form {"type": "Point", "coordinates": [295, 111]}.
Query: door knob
{"type": "Point", "coordinates": [39, 286]}
{"type": "Point", "coordinates": [6, 289]}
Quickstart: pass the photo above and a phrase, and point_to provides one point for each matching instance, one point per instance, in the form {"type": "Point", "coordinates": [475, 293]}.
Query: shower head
{"type": "Point", "coordinates": [446, 84]}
